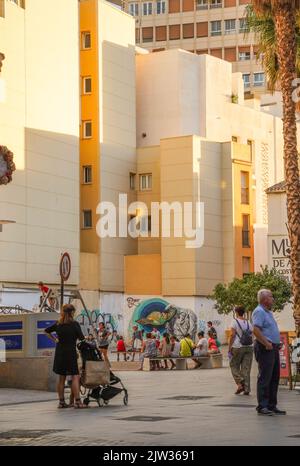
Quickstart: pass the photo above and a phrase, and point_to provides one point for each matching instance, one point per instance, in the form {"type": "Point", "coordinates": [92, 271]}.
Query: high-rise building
{"type": "Point", "coordinates": [215, 27]}
{"type": "Point", "coordinates": [107, 138]}
{"type": "Point", "coordinates": [39, 114]}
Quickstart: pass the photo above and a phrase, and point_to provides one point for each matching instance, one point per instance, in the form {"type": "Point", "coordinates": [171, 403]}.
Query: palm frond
{"type": "Point", "coordinates": [263, 27]}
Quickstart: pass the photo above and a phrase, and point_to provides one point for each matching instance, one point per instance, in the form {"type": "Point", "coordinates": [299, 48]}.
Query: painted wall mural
{"type": "Point", "coordinates": [159, 314]}
{"type": "Point", "coordinates": [112, 322]}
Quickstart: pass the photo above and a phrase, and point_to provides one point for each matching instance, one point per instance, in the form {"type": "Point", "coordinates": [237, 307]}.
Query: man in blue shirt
{"type": "Point", "coordinates": [266, 351]}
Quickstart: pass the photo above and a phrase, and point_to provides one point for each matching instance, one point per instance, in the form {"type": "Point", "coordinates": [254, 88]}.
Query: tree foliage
{"type": "Point", "coordinates": [263, 27]}
{"type": "Point", "coordinates": [243, 292]}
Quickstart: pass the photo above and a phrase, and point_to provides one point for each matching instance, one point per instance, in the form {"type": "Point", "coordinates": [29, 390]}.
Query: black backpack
{"type": "Point", "coordinates": [246, 338]}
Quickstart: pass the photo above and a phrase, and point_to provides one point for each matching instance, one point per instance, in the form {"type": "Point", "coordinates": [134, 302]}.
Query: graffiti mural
{"type": "Point", "coordinates": [95, 317]}
{"type": "Point", "coordinates": [158, 314]}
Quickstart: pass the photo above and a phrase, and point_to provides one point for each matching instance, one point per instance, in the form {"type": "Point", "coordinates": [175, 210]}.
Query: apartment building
{"type": "Point", "coordinates": [39, 119]}
{"type": "Point", "coordinates": [214, 27]}
{"type": "Point", "coordinates": [107, 141]}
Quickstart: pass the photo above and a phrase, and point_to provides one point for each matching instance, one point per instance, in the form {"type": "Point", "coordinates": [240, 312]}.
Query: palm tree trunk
{"type": "Point", "coordinates": [286, 47]}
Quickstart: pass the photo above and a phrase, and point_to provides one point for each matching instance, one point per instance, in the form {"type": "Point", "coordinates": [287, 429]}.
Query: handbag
{"type": "Point", "coordinates": [191, 348]}
{"type": "Point", "coordinates": [95, 373]}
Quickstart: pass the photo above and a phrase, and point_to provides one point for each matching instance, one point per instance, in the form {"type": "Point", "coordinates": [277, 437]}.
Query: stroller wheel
{"type": "Point", "coordinates": [100, 402]}
{"type": "Point", "coordinates": [125, 399]}
{"type": "Point", "coordinates": [86, 401]}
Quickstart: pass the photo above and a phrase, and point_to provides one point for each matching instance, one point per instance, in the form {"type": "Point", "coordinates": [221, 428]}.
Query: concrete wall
{"type": "Point", "coordinates": [117, 120]}
{"type": "Point", "coordinates": [39, 122]}
{"type": "Point", "coordinates": [179, 93]}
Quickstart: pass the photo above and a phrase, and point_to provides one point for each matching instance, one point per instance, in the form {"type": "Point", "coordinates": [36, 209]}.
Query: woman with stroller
{"type": "Point", "coordinates": [68, 331]}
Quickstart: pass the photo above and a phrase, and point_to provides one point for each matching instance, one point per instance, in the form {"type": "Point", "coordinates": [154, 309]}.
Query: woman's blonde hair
{"type": "Point", "coordinates": [67, 314]}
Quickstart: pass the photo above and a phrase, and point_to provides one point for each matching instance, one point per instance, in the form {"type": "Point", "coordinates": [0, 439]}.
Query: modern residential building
{"type": "Point", "coordinates": [39, 123]}
{"type": "Point", "coordinates": [197, 143]}
{"type": "Point", "coordinates": [107, 140]}
{"type": "Point", "coordinates": [215, 27]}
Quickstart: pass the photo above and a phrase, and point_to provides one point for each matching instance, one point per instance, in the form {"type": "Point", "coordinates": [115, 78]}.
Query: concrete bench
{"type": "Point", "coordinates": [126, 353]}
{"type": "Point", "coordinates": [212, 361]}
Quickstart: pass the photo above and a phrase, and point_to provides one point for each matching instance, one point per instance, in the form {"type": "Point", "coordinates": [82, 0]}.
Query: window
{"type": "Point", "coordinates": [230, 26]}
{"type": "Point", "coordinates": [174, 32]}
{"type": "Point", "coordinates": [87, 85]}
{"type": "Point", "coordinates": [87, 129]}
{"type": "Point", "coordinates": [234, 139]}
{"type": "Point", "coordinates": [87, 174]}
{"type": "Point", "coordinates": [244, 187]}
{"type": "Point", "coordinates": [188, 31]}
{"type": "Point", "coordinates": [134, 9]}
{"type": "Point", "coordinates": [243, 56]}
{"type": "Point", "coordinates": [216, 28]}
{"type": "Point", "coordinates": [145, 223]}
{"type": "Point", "coordinates": [215, 3]}
{"type": "Point", "coordinates": [87, 219]}
{"type": "Point", "coordinates": [145, 182]}
{"type": "Point", "coordinates": [132, 181]}
{"type": "Point", "coordinates": [201, 4]}
{"type": "Point", "coordinates": [86, 40]}
{"type": "Point", "coordinates": [147, 8]}
{"type": "Point", "coordinates": [246, 78]}
{"type": "Point", "coordinates": [147, 34]}
{"type": "Point", "coordinates": [244, 25]}
{"type": "Point", "coordinates": [250, 144]}
{"type": "Point", "coordinates": [246, 231]}
{"type": "Point", "coordinates": [259, 79]}
{"type": "Point", "coordinates": [246, 264]}
{"type": "Point", "coordinates": [161, 7]}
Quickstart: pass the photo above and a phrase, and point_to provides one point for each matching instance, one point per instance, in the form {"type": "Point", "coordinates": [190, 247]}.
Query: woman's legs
{"type": "Point", "coordinates": [76, 386]}
{"type": "Point", "coordinates": [246, 365]}
{"type": "Point", "coordinates": [235, 366]}
{"type": "Point", "coordinates": [104, 352]}
{"type": "Point", "coordinates": [61, 387]}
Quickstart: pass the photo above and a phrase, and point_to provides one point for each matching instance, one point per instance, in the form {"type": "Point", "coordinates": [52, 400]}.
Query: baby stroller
{"type": "Point", "coordinates": [100, 393]}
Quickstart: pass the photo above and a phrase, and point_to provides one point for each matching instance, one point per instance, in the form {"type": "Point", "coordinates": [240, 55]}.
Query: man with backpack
{"type": "Point", "coordinates": [241, 351]}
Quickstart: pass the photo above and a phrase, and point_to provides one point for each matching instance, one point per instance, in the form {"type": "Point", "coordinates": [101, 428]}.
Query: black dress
{"type": "Point", "coordinates": [65, 360]}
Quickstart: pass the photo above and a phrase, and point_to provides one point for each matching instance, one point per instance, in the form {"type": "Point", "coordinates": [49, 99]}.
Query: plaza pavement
{"type": "Point", "coordinates": [195, 407]}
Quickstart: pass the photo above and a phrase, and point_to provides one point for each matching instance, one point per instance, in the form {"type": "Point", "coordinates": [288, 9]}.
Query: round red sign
{"type": "Point", "coordinates": [65, 266]}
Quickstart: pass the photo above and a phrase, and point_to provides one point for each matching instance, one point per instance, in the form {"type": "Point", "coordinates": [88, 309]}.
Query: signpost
{"type": "Point", "coordinates": [285, 360]}
{"type": "Point", "coordinates": [65, 271]}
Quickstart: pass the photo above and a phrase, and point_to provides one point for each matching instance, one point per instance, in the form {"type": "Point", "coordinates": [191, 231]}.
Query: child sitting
{"type": "Point", "coordinates": [121, 348]}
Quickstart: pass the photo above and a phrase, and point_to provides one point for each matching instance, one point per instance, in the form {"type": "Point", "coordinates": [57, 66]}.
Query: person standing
{"type": "Point", "coordinates": [103, 343]}
{"type": "Point", "coordinates": [212, 330]}
{"type": "Point", "coordinates": [241, 351]}
{"type": "Point", "coordinates": [68, 331]}
{"type": "Point", "coordinates": [137, 341]}
{"type": "Point", "coordinates": [266, 350]}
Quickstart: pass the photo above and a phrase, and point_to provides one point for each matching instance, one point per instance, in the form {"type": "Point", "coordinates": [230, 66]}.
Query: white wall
{"type": "Point", "coordinates": [117, 129]}
{"type": "Point", "coordinates": [40, 122]}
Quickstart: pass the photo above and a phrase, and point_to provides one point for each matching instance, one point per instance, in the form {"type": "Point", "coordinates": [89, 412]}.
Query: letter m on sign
{"type": "Point", "coordinates": [278, 248]}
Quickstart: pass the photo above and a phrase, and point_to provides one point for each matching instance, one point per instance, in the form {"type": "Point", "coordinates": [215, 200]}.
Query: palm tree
{"type": "Point", "coordinates": [281, 61]}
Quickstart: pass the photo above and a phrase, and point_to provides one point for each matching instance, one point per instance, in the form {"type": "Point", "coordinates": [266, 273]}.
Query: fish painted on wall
{"type": "Point", "coordinates": [157, 318]}
{"type": "Point", "coordinates": [159, 314]}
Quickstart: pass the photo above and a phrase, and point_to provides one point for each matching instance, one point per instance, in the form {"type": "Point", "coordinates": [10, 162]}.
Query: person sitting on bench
{"type": "Point", "coordinates": [148, 350]}
{"type": "Point", "coordinates": [201, 349]}
{"type": "Point", "coordinates": [212, 344]}
{"type": "Point", "coordinates": [187, 346]}
{"type": "Point", "coordinates": [121, 348]}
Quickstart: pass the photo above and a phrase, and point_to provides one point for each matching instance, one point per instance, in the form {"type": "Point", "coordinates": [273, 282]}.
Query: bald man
{"type": "Point", "coordinates": [266, 350]}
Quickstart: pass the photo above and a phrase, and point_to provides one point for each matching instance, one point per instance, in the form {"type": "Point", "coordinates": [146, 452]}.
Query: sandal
{"type": "Point", "coordinates": [62, 404]}
{"type": "Point", "coordinates": [79, 405]}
